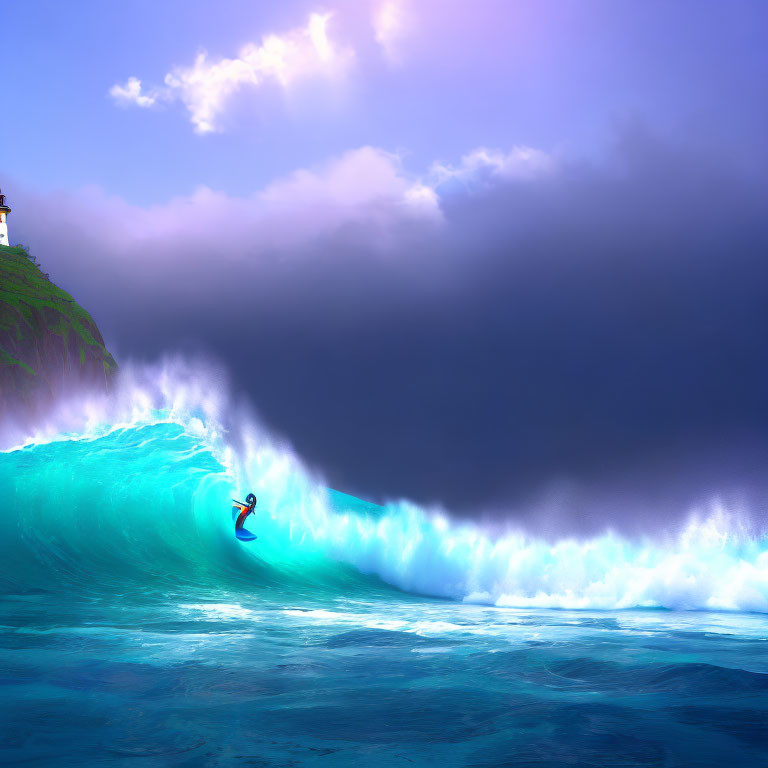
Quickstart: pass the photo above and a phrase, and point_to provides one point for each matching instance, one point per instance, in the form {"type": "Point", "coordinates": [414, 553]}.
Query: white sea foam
{"type": "Point", "coordinates": [714, 563]}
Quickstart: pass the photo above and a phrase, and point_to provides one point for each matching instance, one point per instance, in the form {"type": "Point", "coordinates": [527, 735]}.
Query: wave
{"type": "Point", "coordinates": [133, 489]}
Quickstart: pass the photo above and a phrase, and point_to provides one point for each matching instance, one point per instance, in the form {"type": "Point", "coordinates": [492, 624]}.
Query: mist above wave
{"type": "Point", "coordinates": [717, 561]}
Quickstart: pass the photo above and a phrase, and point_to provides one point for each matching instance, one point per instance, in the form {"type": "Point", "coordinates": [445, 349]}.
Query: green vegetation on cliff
{"type": "Point", "coordinates": [46, 337]}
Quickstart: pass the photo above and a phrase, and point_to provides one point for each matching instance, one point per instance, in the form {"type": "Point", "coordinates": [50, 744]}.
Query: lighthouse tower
{"type": "Point", "coordinates": [4, 211]}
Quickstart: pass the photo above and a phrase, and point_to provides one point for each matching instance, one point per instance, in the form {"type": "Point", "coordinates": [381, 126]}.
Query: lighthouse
{"type": "Point", "coordinates": [4, 211]}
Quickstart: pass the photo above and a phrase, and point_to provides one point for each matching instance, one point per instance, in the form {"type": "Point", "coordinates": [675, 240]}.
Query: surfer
{"type": "Point", "coordinates": [241, 511]}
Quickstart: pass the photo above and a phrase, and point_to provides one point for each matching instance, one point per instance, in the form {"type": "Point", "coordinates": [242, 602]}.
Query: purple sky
{"type": "Point", "coordinates": [506, 256]}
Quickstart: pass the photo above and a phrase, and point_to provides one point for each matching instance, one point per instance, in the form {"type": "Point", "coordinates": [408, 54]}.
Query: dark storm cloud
{"type": "Point", "coordinates": [585, 346]}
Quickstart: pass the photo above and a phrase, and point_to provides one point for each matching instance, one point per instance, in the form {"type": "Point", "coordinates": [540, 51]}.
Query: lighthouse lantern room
{"type": "Point", "coordinates": [4, 211]}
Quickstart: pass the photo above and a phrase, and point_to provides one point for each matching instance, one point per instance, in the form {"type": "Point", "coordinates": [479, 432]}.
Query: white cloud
{"type": "Point", "coordinates": [205, 87]}
{"type": "Point", "coordinates": [364, 192]}
{"type": "Point", "coordinates": [363, 197]}
{"type": "Point", "coordinates": [519, 163]}
{"type": "Point", "coordinates": [364, 179]}
{"type": "Point", "coordinates": [131, 93]}
{"type": "Point", "coordinates": [390, 24]}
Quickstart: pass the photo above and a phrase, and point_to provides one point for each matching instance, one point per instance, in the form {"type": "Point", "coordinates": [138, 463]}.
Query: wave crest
{"type": "Point", "coordinates": [137, 485]}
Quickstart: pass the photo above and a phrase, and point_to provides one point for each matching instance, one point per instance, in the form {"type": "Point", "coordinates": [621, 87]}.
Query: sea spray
{"type": "Point", "coordinates": [135, 488]}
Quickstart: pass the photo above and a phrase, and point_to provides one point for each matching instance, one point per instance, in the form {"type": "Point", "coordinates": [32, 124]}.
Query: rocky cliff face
{"type": "Point", "coordinates": [48, 343]}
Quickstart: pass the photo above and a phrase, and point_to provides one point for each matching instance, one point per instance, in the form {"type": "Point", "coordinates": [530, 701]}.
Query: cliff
{"type": "Point", "coordinates": [48, 342]}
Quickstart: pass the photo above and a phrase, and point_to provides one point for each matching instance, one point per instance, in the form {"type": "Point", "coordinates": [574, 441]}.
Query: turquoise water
{"type": "Point", "coordinates": [137, 630]}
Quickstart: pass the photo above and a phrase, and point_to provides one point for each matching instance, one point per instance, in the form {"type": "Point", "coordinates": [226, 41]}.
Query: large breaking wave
{"type": "Point", "coordinates": [136, 492]}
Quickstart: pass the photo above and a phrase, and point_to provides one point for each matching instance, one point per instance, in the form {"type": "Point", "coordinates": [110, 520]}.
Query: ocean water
{"type": "Point", "coordinates": [136, 630]}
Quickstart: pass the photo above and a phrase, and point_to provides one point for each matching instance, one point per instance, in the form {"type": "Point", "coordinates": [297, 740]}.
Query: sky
{"type": "Point", "coordinates": [504, 257]}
